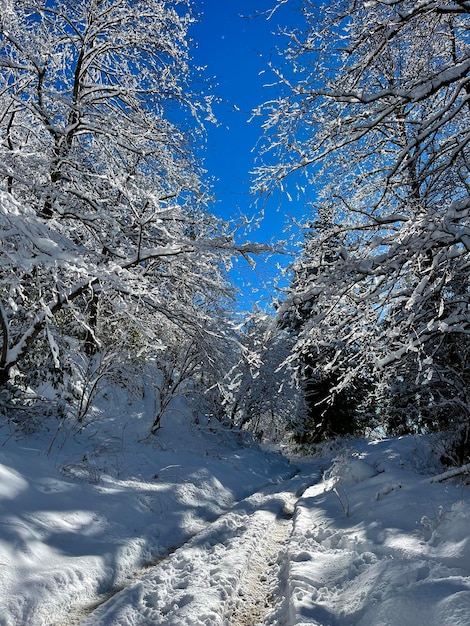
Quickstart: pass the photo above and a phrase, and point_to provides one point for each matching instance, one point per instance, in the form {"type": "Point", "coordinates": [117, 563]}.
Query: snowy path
{"type": "Point", "coordinates": [376, 541]}
{"type": "Point", "coordinates": [357, 548]}
{"type": "Point", "coordinates": [261, 587]}
{"type": "Point", "coordinates": [225, 575]}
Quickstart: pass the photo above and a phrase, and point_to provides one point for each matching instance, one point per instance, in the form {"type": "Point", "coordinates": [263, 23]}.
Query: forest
{"type": "Point", "coordinates": [173, 452]}
{"type": "Point", "coordinates": [115, 267]}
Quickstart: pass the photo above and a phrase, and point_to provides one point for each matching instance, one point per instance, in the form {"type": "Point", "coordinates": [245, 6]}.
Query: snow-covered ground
{"type": "Point", "coordinates": [377, 543]}
{"type": "Point", "coordinates": [200, 526]}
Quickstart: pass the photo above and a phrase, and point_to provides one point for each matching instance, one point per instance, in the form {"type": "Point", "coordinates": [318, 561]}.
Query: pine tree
{"type": "Point", "coordinates": [332, 408]}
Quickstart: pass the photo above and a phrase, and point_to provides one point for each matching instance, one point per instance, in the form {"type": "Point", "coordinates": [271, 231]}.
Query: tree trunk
{"type": "Point", "coordinates": [4, 375]}
{"type": "Point", "coordinates": [90, 339]}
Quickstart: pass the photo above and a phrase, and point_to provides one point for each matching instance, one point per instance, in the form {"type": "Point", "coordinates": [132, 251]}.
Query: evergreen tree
{"type": "Point", "coordinates": [332, 407]}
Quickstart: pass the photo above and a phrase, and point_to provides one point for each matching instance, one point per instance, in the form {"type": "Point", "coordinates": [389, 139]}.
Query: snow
{"type": "Point", "coordinates": [381, 547]}
{"type": "Point", "coordinates": [201, 526]}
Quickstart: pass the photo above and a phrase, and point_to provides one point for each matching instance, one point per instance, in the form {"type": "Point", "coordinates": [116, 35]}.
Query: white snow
{"type": "Point", "coordinates": [381, 547]}
{"type": "Point", "coordinates": [200, 526]}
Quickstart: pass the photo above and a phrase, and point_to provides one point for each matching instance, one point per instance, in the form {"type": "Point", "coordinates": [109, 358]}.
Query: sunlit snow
{"type": "Point", "coordinates": [199, 525]}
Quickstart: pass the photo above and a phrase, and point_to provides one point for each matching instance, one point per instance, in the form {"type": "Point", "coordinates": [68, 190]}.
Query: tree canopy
{"type": "Point", "coordinates": [107, 239]}
{"type": "Point", "coordinates": [374, 111]}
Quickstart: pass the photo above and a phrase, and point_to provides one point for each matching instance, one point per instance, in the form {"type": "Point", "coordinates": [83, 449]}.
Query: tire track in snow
{"type": "Point", "coordinates": [259, 586]}
{"type": "Point", "coordinates": [78, 614]}
{"type": "Point", "coordinates": [203, 581]}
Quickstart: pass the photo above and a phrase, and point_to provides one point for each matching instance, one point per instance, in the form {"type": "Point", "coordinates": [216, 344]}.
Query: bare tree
{"type": "Point", "coordinates": [257, 394]}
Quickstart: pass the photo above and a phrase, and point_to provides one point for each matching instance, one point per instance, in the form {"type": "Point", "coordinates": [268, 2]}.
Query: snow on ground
{"type": "Point", "coordinates": [378, 544]}
{"type": "Point", "coordinates": [200, 526]}
{"type": "Point", "coordinates": [78, 518]}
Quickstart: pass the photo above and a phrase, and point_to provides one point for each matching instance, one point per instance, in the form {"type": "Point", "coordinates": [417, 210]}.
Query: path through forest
{"type": "Point", "coordinates": [228, 574]}
{"type": "Point", "coordinates": [374, 533]}
{"type": "Point", "coordinates": [262, 587]}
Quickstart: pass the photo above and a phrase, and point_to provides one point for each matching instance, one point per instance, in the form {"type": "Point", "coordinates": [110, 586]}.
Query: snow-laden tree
{"type": "Point", "coordinates": [374, 113]}
{"type": "Point", "coordinates": [329, 413]}
{"type": "Point", "coordinates": [257, 394]}
{"type": "Point", "coordinates": [100, 191]}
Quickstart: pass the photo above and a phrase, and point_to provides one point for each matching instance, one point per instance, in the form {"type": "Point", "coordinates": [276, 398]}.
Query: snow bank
{"type": "Point", "coordinates": [376, 544]}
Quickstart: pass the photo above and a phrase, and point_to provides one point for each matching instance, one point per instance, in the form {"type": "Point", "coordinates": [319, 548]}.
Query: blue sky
{"type": "Point", "coordinates": [236, 50]}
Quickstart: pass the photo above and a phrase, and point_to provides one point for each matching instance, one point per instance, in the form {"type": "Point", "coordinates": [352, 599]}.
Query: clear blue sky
{"type": "Point", "coordinates": [235, 50]}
